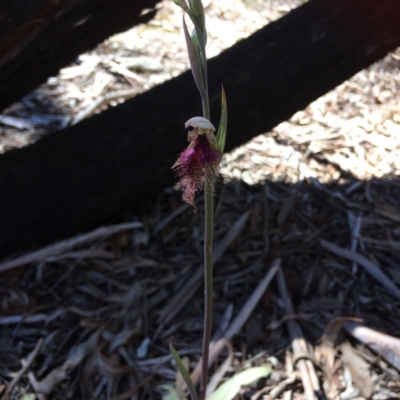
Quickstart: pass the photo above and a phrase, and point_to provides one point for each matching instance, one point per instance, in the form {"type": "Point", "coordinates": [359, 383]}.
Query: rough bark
{"type": "Point", "coordinates": [78, 178]}
{"type": "Point", "coordinates": [38, 37]}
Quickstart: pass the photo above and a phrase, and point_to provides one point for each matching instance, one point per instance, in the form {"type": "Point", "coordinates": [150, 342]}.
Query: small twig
{"type": "Point", "coordinates": [17, 319]}
{"type": "Point", "coordinates": [370, 267]}
{"type": "Point", "coordinates": [305, 356]}
{"type": "Point", "coordinates": [355, 226]}
{"type": "Point", "coordinates": [80, 255]}
{"type": "Point", "coordinates": [306, 368]}
{"type": "Point", "coordinates": [25, 366]}
{"type": "Point", "coordinates": [386, 346]}
{"type": "Point", "coordinates": [18, 123]}
{"type": "Point", "coordinates": [59, 247]}
{"type": "Point", "coordinates": [277, 390]}
{"type": "Point", "coordinates": [34, 383]}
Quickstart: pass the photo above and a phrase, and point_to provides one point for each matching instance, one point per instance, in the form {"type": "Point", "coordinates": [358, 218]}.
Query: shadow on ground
{"type": "Point", "coordinates": [98, 313]}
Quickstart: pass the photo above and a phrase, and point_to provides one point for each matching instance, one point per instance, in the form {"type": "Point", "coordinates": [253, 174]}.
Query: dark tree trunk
{"type": "Point", "coordinates": [38, 37]}
{"type": "Point", "coordinates": [76, 179]}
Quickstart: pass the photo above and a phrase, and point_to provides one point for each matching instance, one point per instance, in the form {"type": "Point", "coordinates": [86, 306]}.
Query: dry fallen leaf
{"type": "Point", "coordinates": [326, 354]}
{"type": "Point", "coordinates": [359, 370]}
{"type": "Point", "coordinates": [76, 356]}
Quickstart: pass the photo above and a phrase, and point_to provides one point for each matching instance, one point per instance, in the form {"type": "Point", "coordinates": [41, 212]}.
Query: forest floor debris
{"type": "Point", "coordinates": [310, 211]}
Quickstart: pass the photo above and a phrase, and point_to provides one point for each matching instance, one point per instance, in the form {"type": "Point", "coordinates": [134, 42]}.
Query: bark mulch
{"type": "Point", "coordinates": [307, 244]}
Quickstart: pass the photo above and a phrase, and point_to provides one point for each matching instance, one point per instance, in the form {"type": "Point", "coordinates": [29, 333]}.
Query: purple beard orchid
{"type": "Point", "coordinates": [199, 161]}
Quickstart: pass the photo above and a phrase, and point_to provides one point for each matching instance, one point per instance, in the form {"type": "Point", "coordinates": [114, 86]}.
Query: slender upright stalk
{"type": "Point", "coordinates": [208, 283]}
{"type": "Point", "coordinates": [198, 164]}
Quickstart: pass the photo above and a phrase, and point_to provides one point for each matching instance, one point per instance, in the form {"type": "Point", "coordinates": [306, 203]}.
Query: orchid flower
{"type": "Point", "coordinates": [199, 162]}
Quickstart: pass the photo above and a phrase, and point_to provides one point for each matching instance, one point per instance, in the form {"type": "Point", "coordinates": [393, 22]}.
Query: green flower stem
{"type": "Point", "coordinates": [206, 105]}
{"type": "Point", "coordinates": [208, 264]}
{"type": "Point", "coordinates": [208, 283]}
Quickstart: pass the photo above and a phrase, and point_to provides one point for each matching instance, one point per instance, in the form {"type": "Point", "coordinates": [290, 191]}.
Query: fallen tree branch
{"type": "Point", "coordinates": [38, 37]}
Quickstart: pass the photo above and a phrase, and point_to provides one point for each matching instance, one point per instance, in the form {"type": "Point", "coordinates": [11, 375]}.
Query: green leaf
{"type": "Point", "coordinates": [195, 40]}
{"type": "Point", "coordinates": [223, 124]}
{"type": "Point", "coordinates": [196, 6]}
{"type": "Point", "coordinates": [200, 26]}
{"type": "Point", "coordinates": [184, 372]}
{"type": "Point", "coordinates": [172, 394]}
{"type": "Point", "coordinates": [194, 59]}
{"type": "Point", "coordinates": [229, 389]}
{"type": "Point", "coordinates": [28, 396]}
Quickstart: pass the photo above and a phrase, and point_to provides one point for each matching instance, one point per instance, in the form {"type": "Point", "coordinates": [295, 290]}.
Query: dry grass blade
{"type": "Point", "coordinates": [386, 346]}
{"type": "Point", "coordinates": [163, 223]}
{"type": "Point", "coordinates": [181, 298]}
{"type": "Point", "coordinates": [57, 248]}
{"type": "Point", "coordinates": [219, 374]}
{"type": "Point", "coordinates": [370, 267]}
{"type": "Point", "coordinates": [306, 368]}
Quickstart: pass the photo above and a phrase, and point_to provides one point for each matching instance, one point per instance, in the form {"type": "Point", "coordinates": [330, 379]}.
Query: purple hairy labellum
{"type": "Point", "coordinates": [199, 162]}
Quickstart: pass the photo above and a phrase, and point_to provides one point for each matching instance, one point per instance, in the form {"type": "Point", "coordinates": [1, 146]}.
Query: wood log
{"type": "Point", "coordinates": [76, 179]}
{"type": "Point", "coordinates": [38, 37]}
